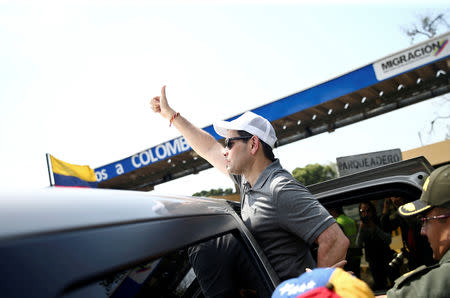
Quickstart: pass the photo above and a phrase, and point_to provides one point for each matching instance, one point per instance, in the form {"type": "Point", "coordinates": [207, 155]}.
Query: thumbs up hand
{"type": "Point", "coordinates": [160, 105]}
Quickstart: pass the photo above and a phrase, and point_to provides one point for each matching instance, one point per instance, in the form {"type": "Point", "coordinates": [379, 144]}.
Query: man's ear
{"type": "Point", "coordinates": [254, 144]}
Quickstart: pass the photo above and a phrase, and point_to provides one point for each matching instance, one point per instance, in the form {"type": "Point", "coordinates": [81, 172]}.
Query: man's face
{"type": "Point", "coordinates": [437, 232]}
{"type": "Point", "coordinates": [365, 212]}
{"type": "Point", "coordinates": [236, 156]}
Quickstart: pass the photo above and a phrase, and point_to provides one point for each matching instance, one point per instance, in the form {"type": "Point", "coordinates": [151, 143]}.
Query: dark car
{"type": "Point", "coordinates": [107, 243]}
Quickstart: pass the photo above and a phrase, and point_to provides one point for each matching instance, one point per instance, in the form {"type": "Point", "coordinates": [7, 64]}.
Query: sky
{"type": "Point", "coordinates": [76, 77]}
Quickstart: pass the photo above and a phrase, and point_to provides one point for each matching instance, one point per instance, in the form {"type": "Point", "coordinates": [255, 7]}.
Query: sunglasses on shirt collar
{"type": "Point", "coordinates": [229, 141]}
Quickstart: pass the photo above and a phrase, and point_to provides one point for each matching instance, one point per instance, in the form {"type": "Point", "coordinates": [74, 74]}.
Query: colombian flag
{"type": "Point", "coordinates": [66, 174]}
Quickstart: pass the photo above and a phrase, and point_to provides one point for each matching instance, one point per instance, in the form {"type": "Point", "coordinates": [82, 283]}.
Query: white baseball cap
{"type": "Point", "coordinates": [251, 123]}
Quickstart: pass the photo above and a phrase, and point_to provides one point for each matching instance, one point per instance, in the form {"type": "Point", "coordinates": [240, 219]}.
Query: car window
{"type": "Point", "coordinates": [176, 274]}
{"type": "Point", "coordinates": [383, 245]}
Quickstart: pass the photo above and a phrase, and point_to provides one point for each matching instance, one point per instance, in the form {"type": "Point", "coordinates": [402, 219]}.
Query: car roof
{"type": "Point", "coordinates": [57, 209]}
{"type": "Point", "coordinates": [411, 173]}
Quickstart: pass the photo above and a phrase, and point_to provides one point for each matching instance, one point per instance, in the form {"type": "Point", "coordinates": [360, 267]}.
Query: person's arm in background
{"type": "Point", "coordinates": [385, 219]}
{"type": "Point", "coordinates": [360, 236]}
{"type": "Point", "coordinates": [202, 142]}
{"type": "Point", "coordinates": [333, 245]}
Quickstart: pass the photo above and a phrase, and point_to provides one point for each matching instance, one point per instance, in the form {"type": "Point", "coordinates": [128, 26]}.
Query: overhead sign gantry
{"type": "Point", "coordinates": [409, 76]}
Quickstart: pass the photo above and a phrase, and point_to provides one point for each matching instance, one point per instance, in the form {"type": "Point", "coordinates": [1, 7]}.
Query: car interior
{"type": "Point", "coordinates": [170, 275]}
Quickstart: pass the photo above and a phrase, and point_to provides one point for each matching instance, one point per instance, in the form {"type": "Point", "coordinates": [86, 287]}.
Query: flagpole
{"type": "Point", "coordinates": [50, 170]}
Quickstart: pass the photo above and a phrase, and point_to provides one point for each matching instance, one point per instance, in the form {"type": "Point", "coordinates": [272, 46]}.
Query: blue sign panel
{"type": "Point", "coordinates": [144, 158]}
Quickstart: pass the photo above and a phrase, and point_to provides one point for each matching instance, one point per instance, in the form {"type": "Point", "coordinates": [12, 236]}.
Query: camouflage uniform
{"type": "Point", "coordinates": [432, 281]}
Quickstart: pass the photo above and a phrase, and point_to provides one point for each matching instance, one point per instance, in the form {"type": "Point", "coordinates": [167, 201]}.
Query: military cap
{"type": "Point", "coordinates": [435, 193]}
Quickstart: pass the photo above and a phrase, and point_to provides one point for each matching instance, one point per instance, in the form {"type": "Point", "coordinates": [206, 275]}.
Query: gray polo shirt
{"type": "Point", "coordinates": [284, 218]}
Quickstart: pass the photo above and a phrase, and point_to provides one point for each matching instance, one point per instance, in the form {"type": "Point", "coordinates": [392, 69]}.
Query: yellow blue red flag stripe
{"type": "Point", "coordinates": [66, 174]}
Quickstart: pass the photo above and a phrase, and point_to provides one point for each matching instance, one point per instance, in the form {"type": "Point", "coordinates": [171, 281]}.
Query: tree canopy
{"type": "Point", "coordinates": [213, 192]}
{"type": "Point", "coordinates": [315, 173]}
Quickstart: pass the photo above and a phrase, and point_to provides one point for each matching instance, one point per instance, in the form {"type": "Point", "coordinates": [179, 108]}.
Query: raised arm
{"type": "Point", "coordinates": [202, 142]}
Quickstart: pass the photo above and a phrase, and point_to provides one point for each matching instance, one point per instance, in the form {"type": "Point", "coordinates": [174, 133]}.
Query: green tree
{"type": "Point", "coordinates": [213, 192]}
{"type": "Point", "coordinates": [315, 173]}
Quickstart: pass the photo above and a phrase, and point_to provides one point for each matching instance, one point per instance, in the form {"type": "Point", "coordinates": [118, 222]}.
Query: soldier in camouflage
{"type": "Point", "coordinates": [433, 207]}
